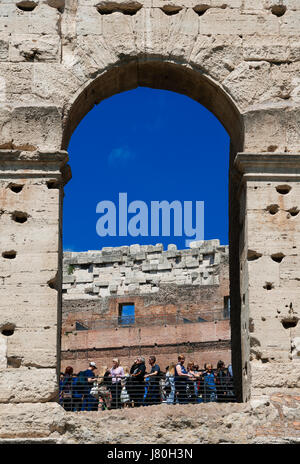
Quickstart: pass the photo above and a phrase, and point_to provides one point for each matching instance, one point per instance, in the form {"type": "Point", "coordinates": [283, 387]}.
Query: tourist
{"type": "Point", "coordinates": [170, 382]}
{"type": "Point", "coordinates": [125, 398]}
{"type": "Point", "coordinates": [192, 387]}
{"type": "Point", "coordinates": [222, 382]}
{"type": "Point", "coordinates": [66, 389]}
{"type": "Point", "coordinates": [130, 381]}
{"type": "Point", "coordinates": [104, 388]}
{"type": "Point", "coordinates": [153, 392]}
{"type": "Point", "coordinates": [181, 376]}
{"type": "Point", "coordinates": [210, 390]}
{"type": "Point", "coordinates": [77, 393]}
{"type": "Point", "coordinates": [116, 374]}
{"type": "Point", "coordinates": [90, 403]}
{"type": "Point", "coordinates": [137, 384]}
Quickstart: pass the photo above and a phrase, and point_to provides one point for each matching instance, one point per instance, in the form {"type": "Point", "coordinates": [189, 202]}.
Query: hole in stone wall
{"type": "Point", "coordinates": [53, 184]}
{"type": "Point", "coordinates": [201, 9]}
{"type": "Point", "coordinates": [253, 255]}
{"type": "Point", "coordinates": [26, 5]}
{"type": "Point", "coordinates": [268, 286]}
{"type": "Point", "coordinates": [170, 10]}
{"type": "Point", "coordinates": [7, 332]}
{"type": "Point", "coordinates": [272, 148]}
{"type": "Point", "coordinates": [293, 211]}
{"type": "Point", "coordinates": [52, 283]}
{"type": "Point", "coordinates": [31, 56]}
{"type": "Point", "coordinates": [11, 254]}
{"type": "Point", "coordinates": [277, 257]}
{"type": "Point", "coordinates": [58, 4]}
{"type": "Point", "coordinates": [254, 342]}
{"type": "Point", "coordinates": [289, 322]}
{"type": "Point", "coordinates": [273, 209]}
{"type": "Point", "coordinates": [130, 8]}
{"type": "Point", "coordinates": [7, 329]}
{"type": "Point", "coordinates": [283, 189]}
{"type": "Point", "coordinates": [278, 10]}
{"type": "Point", "coordinates": [16, 188]}
{"type": "Point", "coordinates": [14, 361]}
{"type": "Point", "coordinates": [19, 216]}
{"type": "Point", "coordinates": [251, 325]}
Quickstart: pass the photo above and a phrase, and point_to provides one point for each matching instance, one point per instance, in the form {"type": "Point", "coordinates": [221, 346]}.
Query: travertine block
{"type": "Point", "coordinates": [28, 385]}
{"type": "Point", "coordinates": [88, 20]}
{"type": "Point", "coordinates": [275, 375]}
{"type": "Point", "coordinates": [30, 47]}
{"type": "Point", "coordinates": [233, 22]}
{"type": "Point", "coordinates": [42, 20]}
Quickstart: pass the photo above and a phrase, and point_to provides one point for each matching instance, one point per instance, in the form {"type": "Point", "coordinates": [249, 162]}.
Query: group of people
{"type": "Point", "coordinates": [123, 387]}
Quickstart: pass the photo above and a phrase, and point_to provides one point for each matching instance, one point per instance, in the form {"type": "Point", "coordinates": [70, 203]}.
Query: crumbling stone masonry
{"type": "Point", "coordinates": [180, 300]}
{"type": "Point", "coordinates": [240, 59]}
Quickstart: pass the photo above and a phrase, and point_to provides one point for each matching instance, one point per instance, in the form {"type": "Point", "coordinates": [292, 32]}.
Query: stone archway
{"type": "Point", "coordinates": [55, 61]}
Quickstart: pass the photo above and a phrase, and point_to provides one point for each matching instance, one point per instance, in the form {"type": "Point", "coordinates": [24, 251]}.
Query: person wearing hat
{"type": "Point", "coordinates": [90, 403]}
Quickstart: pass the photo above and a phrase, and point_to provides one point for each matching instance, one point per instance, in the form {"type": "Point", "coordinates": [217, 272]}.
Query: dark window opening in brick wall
{"type": "Point", "coordinates": [126, 314]}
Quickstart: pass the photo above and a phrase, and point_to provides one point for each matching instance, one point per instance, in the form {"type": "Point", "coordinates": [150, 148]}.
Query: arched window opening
{"type": "Point", "coordinates": [154, 287]}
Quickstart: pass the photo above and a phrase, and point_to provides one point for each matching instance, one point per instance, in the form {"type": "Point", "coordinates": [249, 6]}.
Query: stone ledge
{"type": "Point", "coordinates": [263, 166]}
{"type": "Point", "coordinates": [27, 385]}
{"type": "Point", "coordinates": [273, 422]}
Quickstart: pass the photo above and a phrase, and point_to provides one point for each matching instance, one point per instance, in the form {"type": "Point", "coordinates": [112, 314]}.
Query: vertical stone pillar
{"type": "Point", "coordinates": [30, 278]}
{"type": "Point", "coordinates": [269, 271]}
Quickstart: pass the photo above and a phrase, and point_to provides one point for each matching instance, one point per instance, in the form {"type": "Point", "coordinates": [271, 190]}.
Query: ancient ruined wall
{"type": "Point", "coordinates": [240, 59]}
{"type": "Point", "coordinates": [141, 269]}
{"type": "Point", "coordinates": [172, 291]}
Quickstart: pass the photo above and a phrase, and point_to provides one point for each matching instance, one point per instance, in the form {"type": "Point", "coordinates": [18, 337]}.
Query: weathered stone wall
{"type": "Point", "coordinates": [172, 291]}
{"type": "Point", "coordinates": [241, 61]}
{"type": "Point", "coordinates": [141, 269]}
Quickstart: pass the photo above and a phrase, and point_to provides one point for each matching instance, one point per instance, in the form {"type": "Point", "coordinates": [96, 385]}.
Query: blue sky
{"type": "Point", "coordinates": [154, 145]}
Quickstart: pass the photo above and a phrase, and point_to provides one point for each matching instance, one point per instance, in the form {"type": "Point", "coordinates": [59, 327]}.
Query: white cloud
{"type": "Point", "coordinates": [120, 155]}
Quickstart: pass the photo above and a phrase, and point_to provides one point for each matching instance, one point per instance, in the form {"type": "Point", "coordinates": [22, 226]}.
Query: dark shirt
{"type": "Point", "coordinates": [154, 378]}
{"type": "Point", "coordinates": [139, 371]}
{"type": "Point", "coordinates": [77, 389]}
{"type": "Point", "coordinates": [107, 379]}
{"type": "Point", "coordinates": [67, 383]}
{"type": "Point", "coordinates": [89, 374]}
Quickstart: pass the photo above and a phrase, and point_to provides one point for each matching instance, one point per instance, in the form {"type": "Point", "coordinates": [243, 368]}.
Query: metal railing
{"type": "Point", "coordinates": [177, 318]}
{"type": "Point", "coordinates": [105, 392]}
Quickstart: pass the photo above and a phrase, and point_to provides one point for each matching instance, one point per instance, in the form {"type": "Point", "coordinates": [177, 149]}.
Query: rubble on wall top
{"type": "Point", "coordinates": [140, 269]}
{"type": "Point", "coordinates": [205, 246]}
